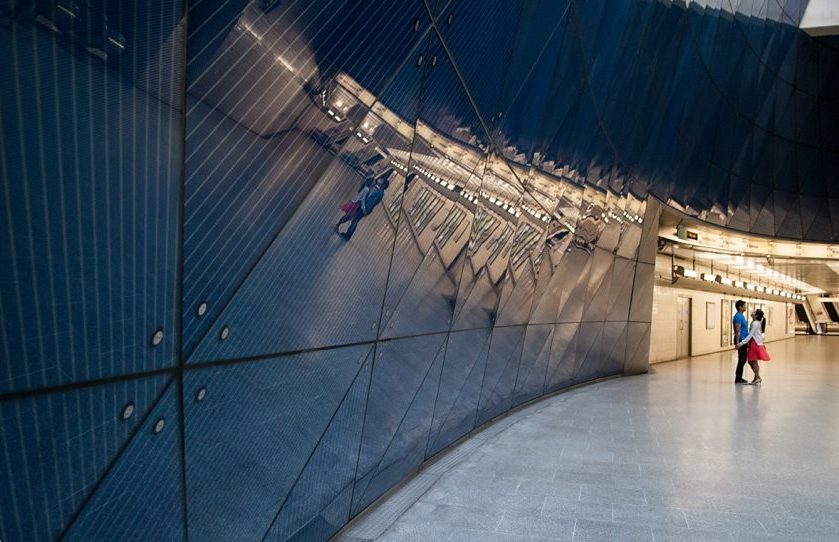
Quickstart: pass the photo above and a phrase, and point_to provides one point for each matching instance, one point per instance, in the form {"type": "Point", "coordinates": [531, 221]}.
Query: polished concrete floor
{"type": "Point", "coordinates": [678, 454]}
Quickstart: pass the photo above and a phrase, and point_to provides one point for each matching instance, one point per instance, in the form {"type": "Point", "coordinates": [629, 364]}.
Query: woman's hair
{"type": "Point", "coordinates": [759, 317]}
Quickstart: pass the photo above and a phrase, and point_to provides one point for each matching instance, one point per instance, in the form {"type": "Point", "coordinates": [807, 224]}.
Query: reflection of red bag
{"type": "Point", "coordinates": [350, 207]}
{"type": "Point", "coordinates": [757, 352]}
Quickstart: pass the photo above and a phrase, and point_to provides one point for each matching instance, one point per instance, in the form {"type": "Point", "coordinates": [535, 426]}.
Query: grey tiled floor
{"type": "Point", "coordinates": [679, 454]}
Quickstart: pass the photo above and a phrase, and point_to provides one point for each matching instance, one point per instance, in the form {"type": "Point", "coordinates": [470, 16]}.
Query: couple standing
{"type": "Point", "coordinates": [749, 343]}
{"type": "Point", "coordinates": [369, 195]}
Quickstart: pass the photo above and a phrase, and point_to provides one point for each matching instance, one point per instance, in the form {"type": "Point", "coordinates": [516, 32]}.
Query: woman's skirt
{"type": "Point", "coordinates": [350, 207]}
{"type": "Point", "coordinates": [757, 352]}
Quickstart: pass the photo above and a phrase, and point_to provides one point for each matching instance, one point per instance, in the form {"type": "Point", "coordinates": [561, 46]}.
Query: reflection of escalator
{"type": "Point", "coordinates": [831, 312]}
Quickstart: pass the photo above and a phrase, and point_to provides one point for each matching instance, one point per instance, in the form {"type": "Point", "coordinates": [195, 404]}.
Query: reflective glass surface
{"type": "Point", "coordinates": [262, 259]}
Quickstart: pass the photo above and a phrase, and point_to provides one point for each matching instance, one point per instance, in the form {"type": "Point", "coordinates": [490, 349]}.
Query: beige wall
{"type": "Point", "coordinates": [704, 340]}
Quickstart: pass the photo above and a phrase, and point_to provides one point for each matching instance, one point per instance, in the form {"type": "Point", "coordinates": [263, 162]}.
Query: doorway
{"type": "Point", "coordinates": [683, 313]}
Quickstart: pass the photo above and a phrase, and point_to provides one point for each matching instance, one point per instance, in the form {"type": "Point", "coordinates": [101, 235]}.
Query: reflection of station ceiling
{"type": "Point", "coordinates": [456, 163]}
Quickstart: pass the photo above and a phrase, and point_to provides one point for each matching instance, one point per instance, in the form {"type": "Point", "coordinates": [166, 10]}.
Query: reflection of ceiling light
{"type": "Point", "coordinates": [286, 64]}
{"type": "Point", "coordinates": [330, 112]}
{"type": "Point", "coordinates": [245, 26]}
{"type": "Point", "coordinates": [365, 140]}
{"type": "Point", "coordinates": [337, 118]}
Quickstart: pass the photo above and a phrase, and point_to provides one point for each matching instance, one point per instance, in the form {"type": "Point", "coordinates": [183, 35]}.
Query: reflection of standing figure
{"type": "Point", "coordinates": [350, 207]}
{"type": "Point", "coordinates": [367, 205]}
{"type": "Point", "coordinates": [408, 180]}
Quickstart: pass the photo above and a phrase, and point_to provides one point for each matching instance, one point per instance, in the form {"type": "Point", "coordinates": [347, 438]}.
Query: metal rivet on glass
{"type": "Point", "coordinates": [202, 309]}
{"type": "Point", "coordinates": [157, 338]}
{"type": "Point", "coordinates": [225, 333]}
{"type": "Point", "coordinates": [450, 18]}
{"type": "Point", "coordinates": [416, 24]}
{"type": "Point", "coordinates": [202, 393]}
{"type": "Point", "coordinates": [419, 60]}
{"type": "Point", "coordinates": [159, 425]}
{"type": "Point", "coordinates": [434, 60]}
{"type": "Point", "coordinates": [127, 411]}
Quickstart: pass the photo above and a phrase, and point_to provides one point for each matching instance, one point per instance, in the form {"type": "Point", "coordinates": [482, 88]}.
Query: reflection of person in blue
{"type": "Point", "coordinates": [368, 203]}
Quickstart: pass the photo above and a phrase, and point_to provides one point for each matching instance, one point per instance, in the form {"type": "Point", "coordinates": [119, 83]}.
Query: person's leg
{"type": "Point", "coordinates": [755, 365]}
{"type": "Point", "coordinates": [345, 218]}
{"type": "Point", "coordinates": [355, 220]}
{"type": "Point", "coordinates": [741, 363]}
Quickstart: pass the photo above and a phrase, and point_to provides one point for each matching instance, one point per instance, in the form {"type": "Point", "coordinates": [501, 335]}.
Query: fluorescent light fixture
{"type": "Point", "coordinates": [725, 281]}
{"type": "Point", "coordinates": [708, 277]}
{"type": "Point", "coordinates": [682, 272]}
{"type": "Point", "coordinates": [739, 284]}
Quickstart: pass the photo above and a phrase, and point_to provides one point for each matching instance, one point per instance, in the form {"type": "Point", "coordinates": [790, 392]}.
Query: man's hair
{"type": "Point", "coordinates": [740, 304]}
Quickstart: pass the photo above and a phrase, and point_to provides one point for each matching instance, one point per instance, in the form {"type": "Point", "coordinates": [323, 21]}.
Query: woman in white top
{"type": "Point", "coordinates": [756, 349]}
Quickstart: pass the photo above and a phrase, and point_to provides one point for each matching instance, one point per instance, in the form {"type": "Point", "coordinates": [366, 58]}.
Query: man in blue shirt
{"type": "Point", "coordinates": [741, 331]}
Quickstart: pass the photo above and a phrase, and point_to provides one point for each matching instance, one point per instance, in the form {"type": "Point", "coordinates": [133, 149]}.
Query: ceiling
{"type": "Point", "coordinates": [806, 267]}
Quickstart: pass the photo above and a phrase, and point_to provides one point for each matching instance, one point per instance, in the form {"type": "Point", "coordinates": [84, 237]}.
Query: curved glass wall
{"type": "Point", "coordinates": [263, 259]}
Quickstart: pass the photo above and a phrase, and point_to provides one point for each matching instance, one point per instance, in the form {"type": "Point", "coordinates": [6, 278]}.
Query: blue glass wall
{"type": "Point", "coordinates": [203, 338]}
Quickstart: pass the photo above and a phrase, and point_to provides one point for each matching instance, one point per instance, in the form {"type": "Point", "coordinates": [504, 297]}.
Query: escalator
{"type": "Point", "coordinates": [831, 312]}
{"type": "Point", "coordinates": [803, 325]}
{"type": "Point", "coordinates": [801, 313]}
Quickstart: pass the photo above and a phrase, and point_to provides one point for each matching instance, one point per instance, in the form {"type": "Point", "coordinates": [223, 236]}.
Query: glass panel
{"type": "Point", "coordinates": [278, 135]}
{"type": "Point", "coordinates": [297, 469]}
{"type": "Point", "coordinates": [399, 413]}
{"type": "Point", "coordinates": [147, 471]}
{"type": "Point", "coordinates": [311, 287]}
{"type": "Point", "coordinates": [58, 446]}
{"type": "Point", "coordinates": [90, 168]}
{"type": "Point", "coordinates": [460, 387]}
